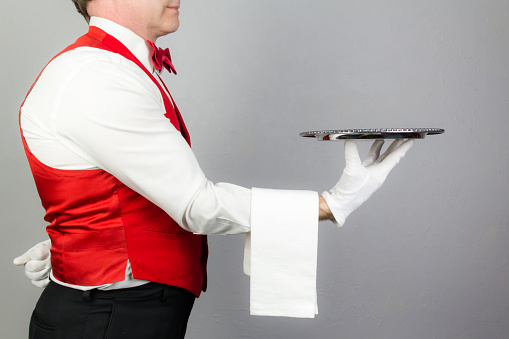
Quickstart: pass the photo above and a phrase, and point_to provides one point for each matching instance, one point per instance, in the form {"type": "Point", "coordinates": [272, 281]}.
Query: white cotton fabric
{"type": "Point", "coordinates": [281, 253]}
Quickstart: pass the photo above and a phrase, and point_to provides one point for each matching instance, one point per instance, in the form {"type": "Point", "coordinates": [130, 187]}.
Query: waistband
{"type": "Point", "coordinates": [150, 290]}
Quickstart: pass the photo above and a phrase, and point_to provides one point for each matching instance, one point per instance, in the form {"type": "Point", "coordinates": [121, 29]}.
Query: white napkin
{"type": "Point", "coordinates": [281, 253]}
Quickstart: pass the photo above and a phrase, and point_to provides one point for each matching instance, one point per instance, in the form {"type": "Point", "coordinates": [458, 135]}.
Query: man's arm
{"type": "Point", "coordinates": [358, 182]}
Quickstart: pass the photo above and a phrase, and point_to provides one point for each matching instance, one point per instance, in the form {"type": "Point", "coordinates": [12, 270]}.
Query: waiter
{"type": "Point", "coordinates": [127, 202]}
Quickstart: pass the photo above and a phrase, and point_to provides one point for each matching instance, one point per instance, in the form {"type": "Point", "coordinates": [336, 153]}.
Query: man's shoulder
{"type": "Point", "coordinates": [93, 65]}
{"type": "Point", "coordinates": [83, 56]}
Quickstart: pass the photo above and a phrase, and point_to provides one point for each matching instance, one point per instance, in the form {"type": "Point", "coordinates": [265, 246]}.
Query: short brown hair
{"type": "Point", "coordinates": [81, 6]}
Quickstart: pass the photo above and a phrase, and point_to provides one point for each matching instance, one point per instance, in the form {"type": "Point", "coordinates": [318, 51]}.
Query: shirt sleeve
{"type": "Point", "coordinates": [108, 112]}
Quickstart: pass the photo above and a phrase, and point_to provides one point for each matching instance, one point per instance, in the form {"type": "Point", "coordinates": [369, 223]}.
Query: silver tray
{"type": "Point", "coordinates": [374, 133]}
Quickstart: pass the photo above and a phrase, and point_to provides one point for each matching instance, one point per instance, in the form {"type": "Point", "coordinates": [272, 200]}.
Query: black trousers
{"type": "Point", "coordinates": [148, 311]}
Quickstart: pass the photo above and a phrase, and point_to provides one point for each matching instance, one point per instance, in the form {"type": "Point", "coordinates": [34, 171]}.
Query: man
{"type": "Point", "coordinates": [127, 202]}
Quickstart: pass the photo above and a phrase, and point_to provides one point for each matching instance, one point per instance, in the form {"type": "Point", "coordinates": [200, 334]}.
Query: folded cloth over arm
{"type": "Point", "coordinates": [281, 253]}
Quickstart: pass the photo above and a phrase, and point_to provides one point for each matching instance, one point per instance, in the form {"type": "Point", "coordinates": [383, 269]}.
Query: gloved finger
{"type": "Point", "coordinates": [394, 157]}
{"type": "Point", "coordinates": [39, 252]}
{"type": "Point", "coordinates": [41, 283]}
{"type": "Point", "coordinates": [37, 265]}
{"type": "Point", "coordinates": [394, 145]}
{"type": "Point", "coordinates": [351, 154]}
{"type": "Point", "coordinates": [40, 275]}
{"type": "Point", "coordinates": [22, 259]}
{"type": "Point", "coordinates": [374, 153]}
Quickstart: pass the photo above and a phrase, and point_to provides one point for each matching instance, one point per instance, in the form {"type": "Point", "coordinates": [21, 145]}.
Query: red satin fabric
{"type": "Point", "coordinates": [96, 222]}
{"type": "Point", "coordinates": [161, 57]}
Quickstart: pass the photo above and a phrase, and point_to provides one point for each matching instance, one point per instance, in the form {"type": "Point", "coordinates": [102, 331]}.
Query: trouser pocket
{"type": "Point", "coordinates": [40, 329]}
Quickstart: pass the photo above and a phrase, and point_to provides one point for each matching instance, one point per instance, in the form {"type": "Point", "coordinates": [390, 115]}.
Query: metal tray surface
{"type": "Point", "coordinates": [373, 133]}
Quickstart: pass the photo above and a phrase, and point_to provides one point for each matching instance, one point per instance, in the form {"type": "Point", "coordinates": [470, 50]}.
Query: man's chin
{"type": "Point", "coordinates": [171, 28]}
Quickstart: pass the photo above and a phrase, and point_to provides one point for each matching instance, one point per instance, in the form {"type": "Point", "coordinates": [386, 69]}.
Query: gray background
{"type": "Point", "coordinates": [426, 257]}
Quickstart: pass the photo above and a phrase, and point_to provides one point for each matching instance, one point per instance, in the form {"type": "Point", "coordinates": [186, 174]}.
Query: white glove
{"type": "Point", "coordinates": [360, 180]}
{"type": "Point", "coordinates": [37, 261]}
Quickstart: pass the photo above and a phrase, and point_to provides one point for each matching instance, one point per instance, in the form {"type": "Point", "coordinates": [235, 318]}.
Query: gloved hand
{"type": "Point", "coordinates": [360, 180]}
{"type": "Point", "coordinates": [37, 261]}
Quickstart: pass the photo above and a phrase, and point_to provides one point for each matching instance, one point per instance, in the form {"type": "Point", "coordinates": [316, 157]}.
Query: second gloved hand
{"type": "Point", "coordinates": [37, 262]}
{"type": "Point", "coordinates": [361, 179]}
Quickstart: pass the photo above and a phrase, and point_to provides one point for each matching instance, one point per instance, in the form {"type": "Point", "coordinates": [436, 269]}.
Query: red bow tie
{"type": "Point", "coordinates": [161, 57]}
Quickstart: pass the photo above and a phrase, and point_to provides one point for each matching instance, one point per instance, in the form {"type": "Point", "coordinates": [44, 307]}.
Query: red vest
{"type": "Point", "coordinates": [97, 223]}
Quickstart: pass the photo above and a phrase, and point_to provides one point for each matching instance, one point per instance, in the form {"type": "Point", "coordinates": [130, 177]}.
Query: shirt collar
{"type": "Point", "coordinates": [131, 40]}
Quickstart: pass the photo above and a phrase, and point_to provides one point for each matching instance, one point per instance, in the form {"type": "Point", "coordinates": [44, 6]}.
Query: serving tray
{"type": "Point", "coordinates": [373, 133]}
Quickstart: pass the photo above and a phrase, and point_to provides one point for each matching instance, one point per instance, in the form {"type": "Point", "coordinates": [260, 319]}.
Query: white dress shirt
{"type": "Point", "coordinates": [94, 109]}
